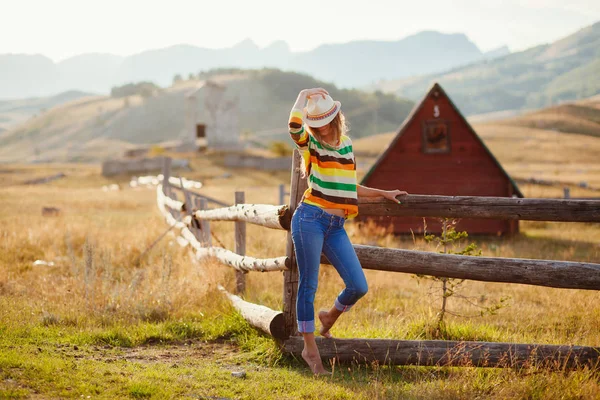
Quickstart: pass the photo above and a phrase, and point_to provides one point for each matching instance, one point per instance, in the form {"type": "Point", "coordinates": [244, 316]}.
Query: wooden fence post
{"type": "Point", "coordinates": [290, 277]}
{"type": "Point", "coordinates": [189, 207]}
{"type": "Point", "coordinates": [240, 245]}
{"type": "Point", "coordinates": [166, 173]}
{"type": "Point", "coordinates": [204, 225]}
{"type": "Point", "coordinates": [281, 193]}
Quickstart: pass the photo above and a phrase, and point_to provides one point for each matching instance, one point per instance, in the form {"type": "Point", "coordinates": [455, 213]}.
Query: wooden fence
{"type": "Point", "coordinates": [192, 216]}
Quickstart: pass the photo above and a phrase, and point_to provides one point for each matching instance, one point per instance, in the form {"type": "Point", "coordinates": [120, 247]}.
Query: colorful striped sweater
{"type": "Point", "coordinates": [332, 170]}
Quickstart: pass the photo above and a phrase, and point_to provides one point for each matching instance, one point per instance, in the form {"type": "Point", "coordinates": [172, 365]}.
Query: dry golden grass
{"type": "Point", "coordinates": [97, 280]}
{"type": "Point", "coordinates": [119, 226]}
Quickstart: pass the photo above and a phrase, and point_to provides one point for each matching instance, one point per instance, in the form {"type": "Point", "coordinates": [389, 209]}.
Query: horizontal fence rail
{"type": "Point", "coordinates": [274, 217]}
{"type": "Point", "coordinates": [484, 207]}
{"type": "Point", "coordinates": [240, 263]}
{"type": "Point", "coordinates": [549, 273]}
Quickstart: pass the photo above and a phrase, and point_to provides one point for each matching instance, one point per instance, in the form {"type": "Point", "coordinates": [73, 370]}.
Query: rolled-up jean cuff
{"type": "Point", "coordinates": [306, 326]}
{"type": "Point", "coordinates": [341, 307]}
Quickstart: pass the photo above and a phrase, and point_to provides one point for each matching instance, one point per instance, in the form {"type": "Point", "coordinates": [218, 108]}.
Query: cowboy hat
{"type": "Point", "coordinates": [320, 111]}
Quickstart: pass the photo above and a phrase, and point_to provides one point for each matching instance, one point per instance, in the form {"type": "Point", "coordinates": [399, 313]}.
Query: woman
{"type": "Point", "coordinates": [319, 131]}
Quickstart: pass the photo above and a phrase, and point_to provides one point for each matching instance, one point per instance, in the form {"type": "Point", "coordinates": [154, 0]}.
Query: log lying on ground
{"type": "Point", "coordinates": [550, 273]}
{"type": "Point", "coordinates": [483, 207]}
{"type": "Point", "coordinates": [449, 353]}
{"type": "Point", "coordinates": [274, 217]}
{"type": "Point", "coordinates": [261, 317]}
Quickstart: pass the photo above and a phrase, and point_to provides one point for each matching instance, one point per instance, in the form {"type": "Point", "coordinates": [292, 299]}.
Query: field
{"type": "Point", "coordinates": [109, 320]}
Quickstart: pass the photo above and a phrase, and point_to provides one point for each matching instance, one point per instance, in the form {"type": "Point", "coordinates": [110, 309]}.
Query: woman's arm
{"type": "Point", "coordinates": [295, 123]}
{"type": "Point", "coordinates": [364, 191]}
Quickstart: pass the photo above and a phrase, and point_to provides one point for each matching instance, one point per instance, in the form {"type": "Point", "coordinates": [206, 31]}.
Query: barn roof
{"type": "Point", "coordinates": [411, 116]}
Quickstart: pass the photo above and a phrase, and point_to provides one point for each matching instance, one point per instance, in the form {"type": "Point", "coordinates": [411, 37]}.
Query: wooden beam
{"type": "Point", "coordinates": [449, 353]}
{"type": "Point", "coordinates": [166, 172]}
{"type": "Point", "coordinates": [550, 273]}
{"type": "Point", "coordinates": [240, 245]}
{"type": "Point", "coordinates": [261, 317]}
{"type": "Point", "coordinates": [290, 277]}
{"type": "Point", "coordinates": [269, 216]}
{"type": "Point", "coordinates": [483, 207]}
{"type": "Point", "coordinates": [240, 263]}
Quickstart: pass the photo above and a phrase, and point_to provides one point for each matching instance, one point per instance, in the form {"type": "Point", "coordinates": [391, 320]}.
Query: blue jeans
{"type": "Point", "coordinates": [315, 231]}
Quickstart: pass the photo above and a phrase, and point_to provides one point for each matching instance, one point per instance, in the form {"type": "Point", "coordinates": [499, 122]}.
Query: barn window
{"type": "Point", "coordinates": [436, 136]}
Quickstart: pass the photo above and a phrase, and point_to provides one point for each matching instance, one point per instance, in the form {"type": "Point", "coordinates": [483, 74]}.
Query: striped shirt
{"type": "Point", "coordinates": [331, 169]}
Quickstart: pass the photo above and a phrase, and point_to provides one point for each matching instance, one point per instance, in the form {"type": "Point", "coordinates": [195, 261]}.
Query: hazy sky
{"type": "Point", "coordinates": [62, 28]}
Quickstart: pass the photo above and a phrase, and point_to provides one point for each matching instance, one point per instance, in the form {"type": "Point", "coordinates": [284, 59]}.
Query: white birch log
{"type": "Point", "coordinates": [265, 215]}
{"type": "Point", "coordinates": [261, 317]}
{"type": "Point", "coordinates": [165, 201]}
{"type": "Point", "coordinates": [240, 263]}
{"type": "Point", "coordinates": [243, 263]}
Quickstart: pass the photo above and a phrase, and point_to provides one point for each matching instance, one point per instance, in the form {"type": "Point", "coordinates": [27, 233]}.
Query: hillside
{"type": "Point", "coordinates": [95, 127]}
{"type": "Point", "coordinates": [14, 112]}
{"type": "Point", "coordinates": [567, 69]}
{"type": "Point", "coordinates": [351, 64]}
{"type": "Point", "coordinates": [581, 117]}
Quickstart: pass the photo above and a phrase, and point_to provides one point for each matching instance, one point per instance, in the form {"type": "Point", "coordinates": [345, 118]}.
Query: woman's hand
{"type": "Point", "coordinates": [392, 194]}
{"type": "Point", "coordinates": [306, 94]}
{"type": "Point", "coordinates": [314, 92]}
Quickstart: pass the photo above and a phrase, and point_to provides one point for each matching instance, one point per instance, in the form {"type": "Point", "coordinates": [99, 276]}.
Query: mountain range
{"type": "Point", "coordinates": [545, 75]}
{"type": "Point", "coordinates": [352, 64]}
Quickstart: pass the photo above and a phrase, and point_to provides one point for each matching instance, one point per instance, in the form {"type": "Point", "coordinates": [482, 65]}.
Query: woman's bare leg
{"type": "Point", "coordinates": [311, 355]}
{"type": "Point", "coordinates": [327, 319]}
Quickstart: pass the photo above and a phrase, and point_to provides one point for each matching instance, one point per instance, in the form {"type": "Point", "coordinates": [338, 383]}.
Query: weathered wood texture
{"type": "Point", "coordinates": [204, 225]}
{"type": "Point", "coordinates": [240, 246]}
{"type": "Point", "coordinates": [449, 353]}
{"type": "Point", "coordinates": [166, 172]}
{"type": "Point", "coordinates": [261, 317]}
{"type": "Point", "coordinates": [274, 217]}
{"type": "Point", "coordinates": [290, 277]}
{"type": "Point", "coordinates": [550, 273]}
{"type": "Point", "coordinates": [484, 207]}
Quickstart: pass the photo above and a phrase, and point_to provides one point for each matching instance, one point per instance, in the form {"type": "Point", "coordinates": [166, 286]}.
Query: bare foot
{"type": "Point", "coordinates": [315, 363]}
{"type": "Point", "coordinates": [326, 324]}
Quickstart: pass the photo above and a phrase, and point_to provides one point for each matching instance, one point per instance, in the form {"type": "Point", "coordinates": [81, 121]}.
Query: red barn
{"type": "Point", "coordinates": [437, 152]}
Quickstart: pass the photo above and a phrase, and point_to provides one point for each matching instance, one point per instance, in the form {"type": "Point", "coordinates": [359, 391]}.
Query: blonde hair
{"type": "Point", "coordinates": [338, 128]}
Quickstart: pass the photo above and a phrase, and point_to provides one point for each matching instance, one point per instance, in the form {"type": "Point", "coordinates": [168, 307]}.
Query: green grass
{"type": "Point", "coordinates": [45, 360]}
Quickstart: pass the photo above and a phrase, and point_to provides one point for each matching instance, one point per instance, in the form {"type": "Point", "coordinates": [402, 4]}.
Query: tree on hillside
{"type": "Point", "coordinates": [177, 78]}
